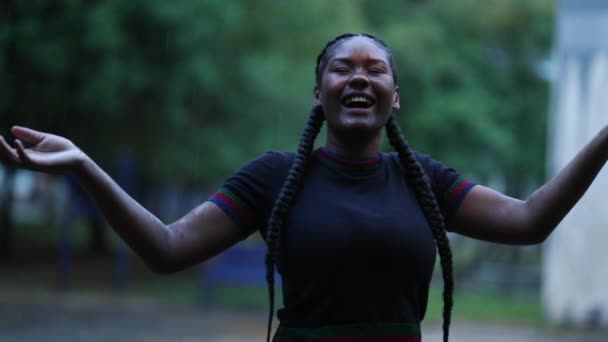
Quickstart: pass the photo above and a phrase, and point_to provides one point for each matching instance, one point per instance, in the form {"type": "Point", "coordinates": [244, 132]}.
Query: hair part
{"type": "Point", "coordinates": [323, 57]}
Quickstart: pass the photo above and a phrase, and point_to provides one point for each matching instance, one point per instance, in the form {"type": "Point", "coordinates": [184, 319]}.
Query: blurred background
{"type": "Point", "coordinates": [171, 98]}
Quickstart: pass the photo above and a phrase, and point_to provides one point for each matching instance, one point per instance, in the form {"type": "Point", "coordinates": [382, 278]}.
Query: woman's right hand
{"type": "Point", "coordinates": [204, 232]}
{"type": "Point", "coordinates": [48, 152]}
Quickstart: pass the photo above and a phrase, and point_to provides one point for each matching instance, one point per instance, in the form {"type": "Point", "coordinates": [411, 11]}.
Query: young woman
{"type": "Point", "coordinates": [352, 231]}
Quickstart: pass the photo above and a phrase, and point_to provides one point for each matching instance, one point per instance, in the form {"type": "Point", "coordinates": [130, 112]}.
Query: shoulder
{"type": "Point", "coordinates": [429, 164]}
{"type": "Point", "coordinates": [280, 157]}
{"type": "Point", "coordinates": [425, 160]}
{"type": "Point", "coordinates": [270, 161]}
{"type": "Point", "coordinates": [437, 173]}
{"type": "Point", "coordinates": [446, 183]}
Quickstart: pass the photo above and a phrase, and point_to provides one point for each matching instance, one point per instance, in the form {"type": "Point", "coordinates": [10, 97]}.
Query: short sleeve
{"type": "Point", "coordinates": [246, 197]}
{"type": "Point", "coordinates": [449, 187]}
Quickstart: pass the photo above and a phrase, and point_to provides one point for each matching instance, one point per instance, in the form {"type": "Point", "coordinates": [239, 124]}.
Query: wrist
{"type": "Point", "coordinates": [82, 165]}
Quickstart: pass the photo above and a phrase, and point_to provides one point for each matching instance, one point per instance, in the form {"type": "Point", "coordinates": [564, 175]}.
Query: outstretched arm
{"type": "Point", "coordinates": [489, 215]}
{"type": "Point", "coordinates": [199, 235]}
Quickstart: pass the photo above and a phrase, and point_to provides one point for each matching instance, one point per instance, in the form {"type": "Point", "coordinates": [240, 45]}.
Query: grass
{"type": "Point", "coordinates": [488, 306]}
{"type": "Point", "coordinates": [484, 306]}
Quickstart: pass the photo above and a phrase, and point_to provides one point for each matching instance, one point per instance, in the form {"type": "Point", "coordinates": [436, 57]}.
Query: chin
{"type": "Point", "coordinates": [359, 129]}
{"type": "Point", "coordinates": [370, 121]}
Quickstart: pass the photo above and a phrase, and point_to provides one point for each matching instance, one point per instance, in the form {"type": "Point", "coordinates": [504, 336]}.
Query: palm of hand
{"type": "Point", "coordinates": [48, 152]}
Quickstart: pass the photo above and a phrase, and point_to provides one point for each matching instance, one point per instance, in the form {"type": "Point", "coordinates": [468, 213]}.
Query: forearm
{"type": "Point", "coordinates": [549, 205]}
{"type": "Point", "coordinates": [140, 229]}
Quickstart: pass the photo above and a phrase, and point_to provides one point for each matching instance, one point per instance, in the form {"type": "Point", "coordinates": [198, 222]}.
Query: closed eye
{"type": "Point", "coordinates": [341, 70]}
{"type": "Point", "coordinates": [376, 71]}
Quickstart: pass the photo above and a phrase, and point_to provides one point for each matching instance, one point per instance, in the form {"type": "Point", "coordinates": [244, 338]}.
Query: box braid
{"type": "Point", "coordinates": [286, 196]}
{"type": "Point", "coordinates": [413, 172]}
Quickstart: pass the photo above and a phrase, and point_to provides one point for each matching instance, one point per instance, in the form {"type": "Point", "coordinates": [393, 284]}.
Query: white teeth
{"type": "Point", "coordinates": [357, 99]}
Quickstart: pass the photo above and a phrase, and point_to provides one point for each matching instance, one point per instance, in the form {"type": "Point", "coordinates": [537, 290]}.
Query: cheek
{"type": "Point", "coordinates": [389, 95]}
{"type": "Point", "coordinates": [332, 86]}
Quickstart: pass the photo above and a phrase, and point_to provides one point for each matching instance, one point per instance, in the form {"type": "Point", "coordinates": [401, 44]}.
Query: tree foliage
{"type": "Point", "coordinates": [471, 86]}
{"type": "Point", "coordinates": [195, 88]}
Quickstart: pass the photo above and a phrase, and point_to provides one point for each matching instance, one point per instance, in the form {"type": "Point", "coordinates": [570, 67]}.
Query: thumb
{"type": "Point", "coordinates": [28, 135]}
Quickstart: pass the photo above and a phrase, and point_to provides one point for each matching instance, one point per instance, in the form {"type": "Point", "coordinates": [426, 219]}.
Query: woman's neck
{"type": "Point", "coordinates": [362, 150]}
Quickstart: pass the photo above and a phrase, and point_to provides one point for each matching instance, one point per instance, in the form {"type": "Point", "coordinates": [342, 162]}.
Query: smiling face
{"type": "Point", "coordinates": [356, 89]}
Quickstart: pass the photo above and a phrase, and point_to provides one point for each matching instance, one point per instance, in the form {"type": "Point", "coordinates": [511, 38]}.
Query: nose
{"type": "Point", "coordinates": [358, 80]}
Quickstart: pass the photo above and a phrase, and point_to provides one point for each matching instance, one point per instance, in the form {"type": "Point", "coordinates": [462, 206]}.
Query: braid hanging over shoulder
{"type": "Point", "coordinates": [414, 175]}
{"type": "Point", "coordinates": [286, 196]}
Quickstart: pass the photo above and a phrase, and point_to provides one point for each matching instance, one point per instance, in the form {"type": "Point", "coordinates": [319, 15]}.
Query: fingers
{"type": "Point", "coordinates": [28, 135]}
{"type": "Point", "coordinates": [21, 152]}
{"type": "Point", "coordinates": [8, 154]}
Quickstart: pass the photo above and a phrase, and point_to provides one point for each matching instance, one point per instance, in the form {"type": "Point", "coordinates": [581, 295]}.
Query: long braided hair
{"type": "Point", "coordinates": [414, 175]}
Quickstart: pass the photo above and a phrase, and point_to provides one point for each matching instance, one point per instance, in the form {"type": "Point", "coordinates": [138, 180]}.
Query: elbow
{"type": "Point", "coordinates": [162, 266]}
{"type": "Point", "coordinates": [163, 270]}
{"type": "Point", "coordinates": [536, 227]}
{"type": "Point", "coordinates": [165, 259]}
{"type": "Point", "coordinates": [537, 239]}
{"type": "Point", "coordinates": [161, 259]}
{"type": "Point", "coordinates": [538, 234]}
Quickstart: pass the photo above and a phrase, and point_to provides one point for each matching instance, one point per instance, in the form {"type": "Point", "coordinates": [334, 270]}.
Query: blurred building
{"type": "Point", "coordinates": [575, 280]}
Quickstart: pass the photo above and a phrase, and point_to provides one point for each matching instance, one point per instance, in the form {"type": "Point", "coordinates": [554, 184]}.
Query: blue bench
{"type": "Point", "coordinates": [240, 266]}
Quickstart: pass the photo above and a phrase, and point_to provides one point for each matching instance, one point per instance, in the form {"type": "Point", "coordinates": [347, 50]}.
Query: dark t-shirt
{"type": "Point", "coordinates": [356, 246]}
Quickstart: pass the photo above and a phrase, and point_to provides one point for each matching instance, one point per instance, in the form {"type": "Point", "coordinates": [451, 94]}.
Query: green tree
{"type": "Point", "coordinates": [470, 86]}
{"type": "Point", "coordinates": [185, 84]}
{"type": "Point", "coordinates": [195, 88]}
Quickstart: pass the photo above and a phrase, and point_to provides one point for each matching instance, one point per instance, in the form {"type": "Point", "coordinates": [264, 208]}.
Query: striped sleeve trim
{"type": "Point", "coordinates": [455, 194]}
{"type": "Point", "coordinates": [234, 206]}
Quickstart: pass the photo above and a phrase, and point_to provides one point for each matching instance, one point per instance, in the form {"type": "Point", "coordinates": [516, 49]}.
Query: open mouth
{"type": "Point", "coordinates": [357, 101]}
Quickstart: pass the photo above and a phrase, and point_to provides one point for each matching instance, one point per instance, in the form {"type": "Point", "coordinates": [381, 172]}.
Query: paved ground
{"type": "Point", "coordinates": [48, 316]}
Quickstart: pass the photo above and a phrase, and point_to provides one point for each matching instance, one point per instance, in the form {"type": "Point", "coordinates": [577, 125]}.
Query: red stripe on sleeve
{"type": "Point", "coordinates": [233, 205]}
{"type": "Point", "coordinates": [457, 191]}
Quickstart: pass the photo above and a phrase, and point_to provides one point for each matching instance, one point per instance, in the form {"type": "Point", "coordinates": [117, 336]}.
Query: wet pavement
{"type": "Point", "coordinates": [28, 316]}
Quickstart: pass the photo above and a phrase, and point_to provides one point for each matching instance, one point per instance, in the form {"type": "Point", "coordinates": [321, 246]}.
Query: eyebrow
{"type": "Point", "coordinates": [349, 61]}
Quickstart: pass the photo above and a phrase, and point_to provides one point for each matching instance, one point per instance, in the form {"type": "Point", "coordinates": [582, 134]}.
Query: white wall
{"type": "Point", "coordinates": [575, 274]}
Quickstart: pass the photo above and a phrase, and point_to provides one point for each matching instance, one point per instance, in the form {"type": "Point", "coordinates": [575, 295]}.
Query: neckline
{"type": "Point", "coordinates": [334, 161]}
